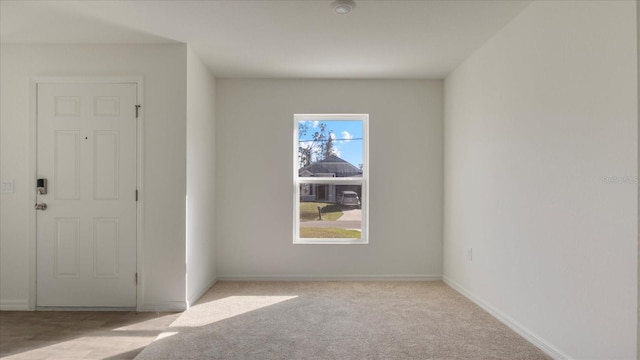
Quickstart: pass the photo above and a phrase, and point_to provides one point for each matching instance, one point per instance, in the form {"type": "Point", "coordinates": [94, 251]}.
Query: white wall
{"type": "Point", "coordinates": [535, 121]}
{"type": "Point", "coordinates": [254, 189]}
{"type": "Point", "coordinates": [200, 177]}
{"type": "Point", "coordinates": [638, 93]}
{"type": "Point", "coordinates": [164, 109]}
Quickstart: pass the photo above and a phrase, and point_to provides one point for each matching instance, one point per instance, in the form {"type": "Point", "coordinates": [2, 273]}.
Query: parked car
{"type": "Point", "coordinates": [348, 198]}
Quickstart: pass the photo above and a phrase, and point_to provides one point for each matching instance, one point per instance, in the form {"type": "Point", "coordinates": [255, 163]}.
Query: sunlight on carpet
{"type": "Point", "coordinates": [213, 311]}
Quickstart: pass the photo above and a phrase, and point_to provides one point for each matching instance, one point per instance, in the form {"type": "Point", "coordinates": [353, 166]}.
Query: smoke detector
{"type": "Point", "coordinates": [343, 7]}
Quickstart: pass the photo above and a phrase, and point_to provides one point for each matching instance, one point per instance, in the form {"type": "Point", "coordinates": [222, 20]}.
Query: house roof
{"type": "Point", "coordinates": [332, 165]}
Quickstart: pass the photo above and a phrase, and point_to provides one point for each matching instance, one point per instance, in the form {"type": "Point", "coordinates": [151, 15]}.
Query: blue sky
{"type": "Point", "coordinates": [347, 138]}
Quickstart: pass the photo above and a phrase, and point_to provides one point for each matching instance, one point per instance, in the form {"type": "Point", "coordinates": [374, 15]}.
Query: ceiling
{"type": "Point", "coordinates": [380, 39]}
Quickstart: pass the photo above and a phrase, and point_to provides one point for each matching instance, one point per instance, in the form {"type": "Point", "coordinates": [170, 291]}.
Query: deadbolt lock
{"type": "Point", "coordinates": [41, 185]}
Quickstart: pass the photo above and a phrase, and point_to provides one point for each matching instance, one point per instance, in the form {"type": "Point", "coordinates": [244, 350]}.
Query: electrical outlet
{"type": "Point", "coordinates": [470, 254]}
{"type": "Point", "coordinates": [6, 186]}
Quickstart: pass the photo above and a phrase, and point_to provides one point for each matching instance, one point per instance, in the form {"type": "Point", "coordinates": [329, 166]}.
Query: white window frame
{"type": "Point", "coordinates": [363, 181]}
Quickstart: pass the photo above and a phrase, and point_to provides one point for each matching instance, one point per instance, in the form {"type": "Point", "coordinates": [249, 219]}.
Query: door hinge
{"type": "Point", "coordinates": [136, 194]}
{"type": "Point", "coordinates": [137, 108]}
{"type": "Point", "coordinates": [136, 278]}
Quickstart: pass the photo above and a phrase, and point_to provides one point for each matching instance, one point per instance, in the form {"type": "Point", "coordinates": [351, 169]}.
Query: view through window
{"type": "Point", "coordinates": [330, 176]}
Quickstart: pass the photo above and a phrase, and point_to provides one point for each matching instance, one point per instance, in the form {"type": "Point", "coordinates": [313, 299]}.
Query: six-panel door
{"type": "Point", "coordinates": [86, 237]}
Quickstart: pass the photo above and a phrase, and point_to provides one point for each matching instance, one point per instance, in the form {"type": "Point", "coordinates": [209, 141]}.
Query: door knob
{"type": "Point", "coordinates": [41, 206]}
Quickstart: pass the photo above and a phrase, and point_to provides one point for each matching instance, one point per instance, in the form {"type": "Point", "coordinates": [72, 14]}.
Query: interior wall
{"type": "Point", "coordinates": [254, 189]}
{"type": "Point", "coordinates": [164, 108]}
{"type": "Point", "coordinates": [541, 137]}
{"type": "Point", "coordinates": [200, 177]}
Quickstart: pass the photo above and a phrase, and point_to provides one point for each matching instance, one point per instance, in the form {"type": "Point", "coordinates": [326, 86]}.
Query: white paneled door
{"type": "Point", "coordinates": [86, 234]}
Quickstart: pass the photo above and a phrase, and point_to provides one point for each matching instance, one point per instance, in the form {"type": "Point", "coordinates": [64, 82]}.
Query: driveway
{"type": "Point", "coordinates": [351, 215]}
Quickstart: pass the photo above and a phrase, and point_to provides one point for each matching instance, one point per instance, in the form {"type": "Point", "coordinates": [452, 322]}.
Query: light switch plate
{"type": "Point", "coordinates": [6, 186]}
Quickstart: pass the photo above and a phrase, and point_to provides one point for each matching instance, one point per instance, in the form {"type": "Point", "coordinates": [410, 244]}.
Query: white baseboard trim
{"type": "Point", "coordinates": [330, 277]}
{"type": "Point", "coordinates": [169, 306]}
{"type": "Point", "coordinates": [536, 340]}
{"type": "Point", "coordinates": [14, 305]}
{"type": "Point", "coordinates": [193, 299]}
{"type": "Point", "coordinates": [84, 308]}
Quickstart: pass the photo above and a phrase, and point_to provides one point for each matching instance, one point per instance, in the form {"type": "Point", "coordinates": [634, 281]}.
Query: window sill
{"type": "Point", "coordinates": [330, 242]}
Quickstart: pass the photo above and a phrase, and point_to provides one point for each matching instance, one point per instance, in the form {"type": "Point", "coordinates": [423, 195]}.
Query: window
{"type": "Point", "coordinates": [331, 174]}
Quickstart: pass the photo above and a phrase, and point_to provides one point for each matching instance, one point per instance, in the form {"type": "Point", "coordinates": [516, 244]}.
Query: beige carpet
{"type": "Point", "coordinates": [337, 320]}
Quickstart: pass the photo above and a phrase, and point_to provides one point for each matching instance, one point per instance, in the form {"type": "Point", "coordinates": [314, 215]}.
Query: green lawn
{"type": "Point", "coordinates": [328, 233]}
{"type": "Point", "coordinates": [309, 211]}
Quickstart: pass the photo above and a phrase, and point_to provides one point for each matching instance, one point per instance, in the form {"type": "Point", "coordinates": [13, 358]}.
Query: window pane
{"type": "Point", "coordinates": [330, 211]}
{"type": "Point", "coordinates": [330, 148]}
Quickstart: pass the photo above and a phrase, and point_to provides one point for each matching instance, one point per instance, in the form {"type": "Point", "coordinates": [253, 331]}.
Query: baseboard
{"type": "Point", "coordinates": [169, 306]}
{"type": "Point", "coordinates": [84, 308]}
{"type": "Point", "coordinates": [536, 340]}
{"type": "Point", "coordinates": [193, 299]}
{"type": "Point", "coordinates": [330, 277]}
{"type": "Point", "coordinates": [14, 305]}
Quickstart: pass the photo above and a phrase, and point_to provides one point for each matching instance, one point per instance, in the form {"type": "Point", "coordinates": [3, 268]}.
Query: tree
{"type": "Point", "coordinates": [328, 146]}
{"type": "Point", "coordinates": [304, 148]}
{"type": "Point", "coordinates": [318, 146]}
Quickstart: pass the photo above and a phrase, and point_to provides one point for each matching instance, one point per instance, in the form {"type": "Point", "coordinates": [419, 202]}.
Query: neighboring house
{"type": "Point", "coordinates": [332, 166]}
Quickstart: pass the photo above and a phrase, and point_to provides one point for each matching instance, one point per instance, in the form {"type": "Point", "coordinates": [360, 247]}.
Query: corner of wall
{"type": "Point", "coordinates": [200, 173]}
{"type": "Point", "coordinates": [638, 174]}
{"type": "Point", "coordinates": [193, 299]}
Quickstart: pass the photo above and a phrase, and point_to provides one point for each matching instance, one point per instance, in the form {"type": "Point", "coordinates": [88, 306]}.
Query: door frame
{"type": "Point", "coordinates": [33, 171]}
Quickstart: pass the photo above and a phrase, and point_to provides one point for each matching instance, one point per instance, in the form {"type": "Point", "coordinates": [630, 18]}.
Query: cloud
{"type": "Point", "coordinates": [315, 124]}
{"type": "Point", "coordinates": [337, 151]}
{"type": "Point", "coordinates": [332, 135]}
{"type": "Point", "coordinates": [346, 136]}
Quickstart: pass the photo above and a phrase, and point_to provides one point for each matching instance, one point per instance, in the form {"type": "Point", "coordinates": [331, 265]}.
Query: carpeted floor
{"type": "Point", "coordinates": [337, 320]}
